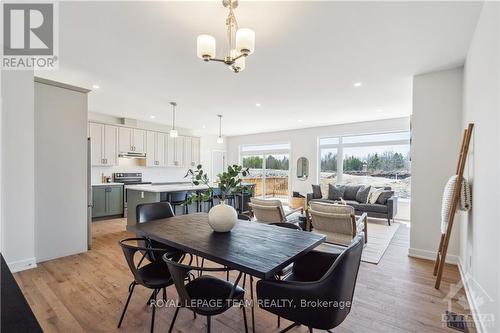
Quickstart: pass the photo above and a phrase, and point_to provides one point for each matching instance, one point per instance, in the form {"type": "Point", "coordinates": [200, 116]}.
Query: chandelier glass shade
{"type": "Point", "coordinates": [241, 42]}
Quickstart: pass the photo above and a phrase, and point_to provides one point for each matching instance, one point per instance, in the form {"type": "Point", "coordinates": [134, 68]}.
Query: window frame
{"type": "Point", "coordinates": [341, 145]}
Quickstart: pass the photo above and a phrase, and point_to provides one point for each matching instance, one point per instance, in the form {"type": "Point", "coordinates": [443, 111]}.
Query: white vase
{"type": "Point", "coordinates": [222, 217]}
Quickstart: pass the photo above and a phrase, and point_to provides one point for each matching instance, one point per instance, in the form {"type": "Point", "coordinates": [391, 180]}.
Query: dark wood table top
{"type": "Point", "coordinates": [257, 249]}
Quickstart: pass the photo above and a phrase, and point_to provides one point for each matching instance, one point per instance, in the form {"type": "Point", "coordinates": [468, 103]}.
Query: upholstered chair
{"type": "Point", "coordinates": [271, 211]}
{"type": "Point", "coordinates": [337, 222]}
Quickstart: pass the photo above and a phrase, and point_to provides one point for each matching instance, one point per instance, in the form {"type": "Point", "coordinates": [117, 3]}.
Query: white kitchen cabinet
{"type": "Point", "coordinates": [139, 140]}
{"type": "Point", "coordinates": [150, 148]}
{"type": "Point", "coordinates": [195, 152]}
{"type": "Point", "coordinates": [103, 139]}
{"type": "Point", "coordinates": [161, 145]}
{"type": "Point", "coordinates": [96, 133]}
{"type": "Point", "coordinates": [110, 154]}
{"type": "Point", "coordinates": [125, 139]}
{"type": "Point", "coordinates": [131, 140]}
{"type": "Point", "coordinates": [170, 151]}
{"type": "Point", "coordinates": [161, 150]}
{"type": "Point", "coordinates": [188, 149]}
{"type": "Point", "coordinates": [179, 151]}
{"type": "Point", "coordinates": [155, 149]}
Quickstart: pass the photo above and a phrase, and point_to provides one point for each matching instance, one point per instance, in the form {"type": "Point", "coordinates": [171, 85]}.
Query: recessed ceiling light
{"type": "Point", "coordinates": [379, 110]}
{"type": "Point", "coordinates": [95, 86]}
{"type": "Point", "coordinates": [357, 84]}
{"type": "Point", "coordinates": [152, 117]}
{"type": "Point", "coordinates": [258, 105]}
{"type": "Point", "coordinates": [203, 126]}
{"type": "Point", "coordinates": [300, 120]}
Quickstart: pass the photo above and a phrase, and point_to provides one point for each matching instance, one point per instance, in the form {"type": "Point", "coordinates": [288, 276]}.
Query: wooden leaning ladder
{"type": "Point", "coordinates": [445, 237]}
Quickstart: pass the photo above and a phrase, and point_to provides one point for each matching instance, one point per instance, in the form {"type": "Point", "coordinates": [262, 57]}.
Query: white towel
{"type": "Point", "coordinates": [465, 202]}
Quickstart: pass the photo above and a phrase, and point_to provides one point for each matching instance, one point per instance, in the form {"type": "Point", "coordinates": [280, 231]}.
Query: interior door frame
{"type": "Point", "coordinates": [212, 172]}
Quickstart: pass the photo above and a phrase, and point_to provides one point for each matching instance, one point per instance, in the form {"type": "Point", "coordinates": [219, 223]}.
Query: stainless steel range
{"type": "Point", "coordinates": [128, 178]}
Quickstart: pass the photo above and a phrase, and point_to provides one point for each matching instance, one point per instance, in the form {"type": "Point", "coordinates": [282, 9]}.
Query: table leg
{"type": "Point", "coordinates": [253, 304]}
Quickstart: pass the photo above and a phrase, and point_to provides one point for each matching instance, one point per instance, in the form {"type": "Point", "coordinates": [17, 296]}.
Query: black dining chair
{"type": "Point", "coordinates": [148, 212]}
{"type": "Point", "coordinates": [152, 275]}
{"type": "Point", "coordinates": [200, 205]}
{"type": "Point", "coordinates": [177, 199]}
{"type": "Point", "coordinates": [320, 278]}
{"type": "Point", "coordinates": [205, 295]}
{"type": "Point", "coordinates": [244, 217]}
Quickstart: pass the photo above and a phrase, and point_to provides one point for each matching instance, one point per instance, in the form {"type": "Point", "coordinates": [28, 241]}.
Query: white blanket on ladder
{"type": "Point", "coordinates": [464, 204]}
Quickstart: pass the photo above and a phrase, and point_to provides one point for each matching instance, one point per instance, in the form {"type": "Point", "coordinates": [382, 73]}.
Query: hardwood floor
{"type": "Point", "coordinates": [86, 293]}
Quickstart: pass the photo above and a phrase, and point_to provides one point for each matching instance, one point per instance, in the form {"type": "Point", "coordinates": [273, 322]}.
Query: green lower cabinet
{"type": "Point", "coordinates": [107, 200]}
{"type": "Point", "coordinates": [99, 201]}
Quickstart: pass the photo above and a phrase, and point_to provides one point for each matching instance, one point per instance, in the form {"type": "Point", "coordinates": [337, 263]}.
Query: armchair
{"type": "Point", "coordinates": [319, 291]}
{"type": "Point", "coordinates": [271, 211]}
{"type": "Point", "coordinates": [337, 222]}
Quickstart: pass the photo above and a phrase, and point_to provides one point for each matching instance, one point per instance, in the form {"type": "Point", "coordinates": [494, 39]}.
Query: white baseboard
{"type": "Point", "coordinates": [431, 255]}
{"type": "Point", "coordinates": [472, 303]}
{"type": "Point", "coordinates": [21, 265]}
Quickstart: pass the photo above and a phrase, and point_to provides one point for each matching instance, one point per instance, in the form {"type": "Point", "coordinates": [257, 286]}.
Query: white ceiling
{"type": "Point", "coordinates": [307, 57]}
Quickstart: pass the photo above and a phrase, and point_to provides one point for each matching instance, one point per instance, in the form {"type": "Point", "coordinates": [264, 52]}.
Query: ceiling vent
{"type": "Point", "coordinates": [128, 122]}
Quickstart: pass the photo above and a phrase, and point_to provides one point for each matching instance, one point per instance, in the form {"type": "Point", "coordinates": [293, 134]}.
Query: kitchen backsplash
{"type": "Point", "coordinates": [154, 175]}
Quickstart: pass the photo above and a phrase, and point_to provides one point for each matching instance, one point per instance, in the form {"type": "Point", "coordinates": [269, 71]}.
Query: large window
{"type": "Point", "coordinates": [269, 169]}
{"type": "Point", "coordinates": [376, 159]}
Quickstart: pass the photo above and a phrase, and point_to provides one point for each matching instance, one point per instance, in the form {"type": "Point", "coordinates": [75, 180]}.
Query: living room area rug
{"type": "Point", "coordinates": [379, 238]}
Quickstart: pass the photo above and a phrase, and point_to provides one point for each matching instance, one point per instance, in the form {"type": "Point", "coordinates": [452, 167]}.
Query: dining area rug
{"type": "Point", "coordinates": [379, 237]}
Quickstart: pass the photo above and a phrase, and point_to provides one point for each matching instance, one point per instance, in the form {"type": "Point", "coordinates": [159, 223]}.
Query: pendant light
{"type": "Point", "coordinates": [219, 138]}
{"type": "Point", "coordinates": [173, 131]}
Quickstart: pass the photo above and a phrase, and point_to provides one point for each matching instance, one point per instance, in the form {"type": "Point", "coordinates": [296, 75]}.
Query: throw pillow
{"type": "Point", "coordinates": [374, 195]}
{"type": "Point", "coordinates": [362, 194]}
{"type": "Point", "coordinates": [351, 191]}
{"type": "Point", "coordinates": [317, 192]}
{"type": "Point", "coordinates": [382, 198]}
{"type": "Point", "coordinates": [335, 192]}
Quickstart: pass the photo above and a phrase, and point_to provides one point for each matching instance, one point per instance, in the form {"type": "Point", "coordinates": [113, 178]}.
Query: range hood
{"type": "Point", "coordinates": [132, 154]}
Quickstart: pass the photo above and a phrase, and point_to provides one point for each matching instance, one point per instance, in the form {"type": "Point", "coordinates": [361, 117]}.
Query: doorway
{"type": "Point", "coordinates": [219, 163]}
{"type": "Point", "coordinates": [270, 174]}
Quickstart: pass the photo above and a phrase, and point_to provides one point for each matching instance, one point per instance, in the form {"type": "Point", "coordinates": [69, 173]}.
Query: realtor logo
{"type": "Point", "coordinates": [28, 36]}
{"type": "Point", "coordinates": [28, 29]}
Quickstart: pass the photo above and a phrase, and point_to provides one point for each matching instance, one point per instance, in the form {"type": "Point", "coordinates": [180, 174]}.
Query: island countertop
{"type": "Point", "coordinates": [166, 188]}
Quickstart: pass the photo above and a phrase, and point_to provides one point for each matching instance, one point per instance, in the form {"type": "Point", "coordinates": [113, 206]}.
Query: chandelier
{"type": "Point", "coordinates": [241, 42]}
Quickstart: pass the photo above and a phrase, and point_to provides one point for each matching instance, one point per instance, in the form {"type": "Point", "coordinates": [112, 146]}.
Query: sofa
{"type": "Point", "coordinates": [358, 196]}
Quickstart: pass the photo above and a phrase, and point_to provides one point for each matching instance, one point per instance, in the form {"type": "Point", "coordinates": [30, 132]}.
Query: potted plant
{"type": "Point", "coordinates": [222, 217]}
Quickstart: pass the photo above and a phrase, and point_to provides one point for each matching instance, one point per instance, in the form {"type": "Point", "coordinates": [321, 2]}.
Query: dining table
{"type": "Point", "coordinates": [257, 249]}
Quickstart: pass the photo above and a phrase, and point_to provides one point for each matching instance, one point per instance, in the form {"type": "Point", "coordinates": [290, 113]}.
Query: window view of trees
{"type": "Point", "coordinates": [376, 165]}
{"type": "Point", "coordinates": [280, 163]}
{"type": "Point", "coordinates": [387, 161]}
{"type": "Point", "coordinates": [253, 162]}
{"type": "Point", "coordinates": [329, 161]}
{"type": "Point", "coordinates": [256, 162]}
{"type": "Point", "coordinates": [270, 174]}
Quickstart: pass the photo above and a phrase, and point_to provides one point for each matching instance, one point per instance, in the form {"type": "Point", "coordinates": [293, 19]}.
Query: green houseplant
{"type": "Point", "coordinates": [222, 217]}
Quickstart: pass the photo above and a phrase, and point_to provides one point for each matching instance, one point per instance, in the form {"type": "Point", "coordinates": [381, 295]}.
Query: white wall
{"type": "Point", "coordinates": [304, 143]}
{"type": "Point", "coordinates": [18, 169]}
{"type": "Point", "coordinates": [60, 171]}
{"type": "Point", "coordinates": [436, 138]}
{"type": "Point", "coordinates": [479, 229]}
{"type": "Point", "coordinates": [208, 142]}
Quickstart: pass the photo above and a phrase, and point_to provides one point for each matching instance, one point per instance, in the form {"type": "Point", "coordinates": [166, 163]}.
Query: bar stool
{"type": "Point", "coordinates": [178, 199]}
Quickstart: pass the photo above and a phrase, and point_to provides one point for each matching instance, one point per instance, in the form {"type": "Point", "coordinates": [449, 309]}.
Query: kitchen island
{"type": "Point", "coordinates": [147, 193]}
